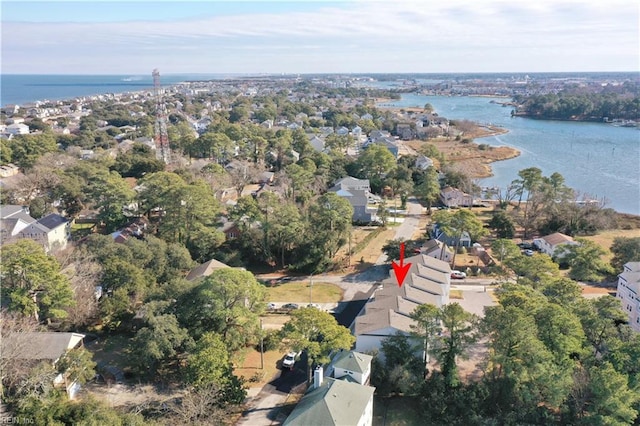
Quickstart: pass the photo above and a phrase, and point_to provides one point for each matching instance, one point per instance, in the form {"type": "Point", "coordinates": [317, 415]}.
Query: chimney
{"type": "Point", "coordinates": [318, 376]}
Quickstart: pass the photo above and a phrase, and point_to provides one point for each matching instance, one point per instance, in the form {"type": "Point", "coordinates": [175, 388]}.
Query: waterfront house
{"type": "Point", "coordinates": [453, 197]}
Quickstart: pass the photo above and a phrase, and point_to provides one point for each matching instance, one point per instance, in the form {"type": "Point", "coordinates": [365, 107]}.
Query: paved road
{"type": "Point", "coordinates": [406, 229]}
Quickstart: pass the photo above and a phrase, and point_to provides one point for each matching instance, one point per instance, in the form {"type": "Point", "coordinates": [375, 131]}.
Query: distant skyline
{"type": "Point", "coordinates": [356, 36]}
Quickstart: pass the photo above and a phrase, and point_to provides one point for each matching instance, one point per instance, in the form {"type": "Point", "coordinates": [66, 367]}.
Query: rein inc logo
{"type": "Point", "coordinates": [5, 420]}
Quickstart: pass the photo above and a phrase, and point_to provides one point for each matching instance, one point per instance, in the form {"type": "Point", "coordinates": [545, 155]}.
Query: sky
{"type": "Point", "coordinates": [355, 36]}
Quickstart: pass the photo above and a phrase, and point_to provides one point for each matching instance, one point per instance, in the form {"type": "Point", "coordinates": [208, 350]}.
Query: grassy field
{"type": "Point", "coordinates": [299, 292]}
{"type": "Point", "coordinates": [605, 238]}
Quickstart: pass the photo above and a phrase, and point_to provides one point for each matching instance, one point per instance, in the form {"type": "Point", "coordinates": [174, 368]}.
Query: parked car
{"type": "Point", "coordinates": [271, 306]}
{"type": "Point", "coordinates": [528, 252]}
{"type": "Point", "coordinates": [458, 275]}
{"type": "Point", "coordinates": [290, 306]}
{"type": "Point", "coordinates": [289, 360]}
{"type": "Point", "coordinates": [314, 305]}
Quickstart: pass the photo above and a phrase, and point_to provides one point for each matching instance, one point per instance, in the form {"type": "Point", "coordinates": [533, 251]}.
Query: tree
{"type": "Point", "coordinates": [625, 250]}
{"type": "Point", "coordinates": [460, 327]}
{"type": "Point", "coordinates": [77, 365]}
{"type": "Point", "coordinates": [184, 205]}
{"type": "Point", "coordinates": [26, 149]}
{"type": "Point", "coordinates": [317, 333]}
{"type": "Point", "coordinates": [426, 328]}
{"type": "Point", "coordinates": [585, 260]}
{"type": "Point", "coordinates": [160, 340]}
{"type": "Point", "coordinates": [429, 189]}
{"type": "Point", "coordinates": [456, 224]}
{"type": "Point", "coordinates": [611, 399]}
{"type": "Point", "coordinates": [227, 302]}
{"type": "Point", "coordinates": [504, 249]}
{"type": "Point", "coordinates": [110, 194]}
{"type": "Point", "coordinates": [32, 281]}
{"type": "Point", "coordinates": [209, 365]}
{"type": "Point", "coordinates": [330, 218]}
{"type": "Point", "coordinates": [502, 224]}
{"type": "Point", "coordinates": [375, 161]}
{"type": "Point", "coordinates": [530, 180]}
{"type": "Point", "coordinates": [534, 269]}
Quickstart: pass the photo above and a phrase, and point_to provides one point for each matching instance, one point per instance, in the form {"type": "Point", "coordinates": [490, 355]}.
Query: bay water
{"type": "Point", "coordinates": [598, 160]}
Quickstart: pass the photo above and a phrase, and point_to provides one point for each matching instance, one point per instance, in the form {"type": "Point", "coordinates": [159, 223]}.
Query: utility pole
{"type": "Point", "coordinates": [261, 346]}
{"type": "Point", "coordinates": [310, 286]}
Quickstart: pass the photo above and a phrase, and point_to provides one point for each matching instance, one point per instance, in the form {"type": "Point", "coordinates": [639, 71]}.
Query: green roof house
{"type": "Point", "coordinates": [334, 402]}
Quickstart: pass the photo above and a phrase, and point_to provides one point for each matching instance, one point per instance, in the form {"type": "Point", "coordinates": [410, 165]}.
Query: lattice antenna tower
{"type": "Point", "coordinates": [161, 137]}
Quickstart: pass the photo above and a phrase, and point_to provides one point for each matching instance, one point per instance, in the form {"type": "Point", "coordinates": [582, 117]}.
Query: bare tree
{"type": "Point", "coordinates": [13, 368]}
{"type": "Point", "coordinates": [200, 406]}
{"type": "Point", "coordinates": [84, 274]}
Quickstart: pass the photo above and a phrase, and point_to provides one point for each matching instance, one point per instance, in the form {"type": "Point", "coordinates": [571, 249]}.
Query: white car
{"type": "Point", "coordinates": [458, 275]}
{"type": "Point", "coordinates": [289, 360]}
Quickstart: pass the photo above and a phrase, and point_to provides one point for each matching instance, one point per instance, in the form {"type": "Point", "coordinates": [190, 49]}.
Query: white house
{"type": "Point", "coordinates": [550, 243]}
{"type": "Point", "coordinates": [628, 292]}
{"type": "Point", "coordinates": [351, 365]}
{"type": "Point", "coordinates": [52, 232]}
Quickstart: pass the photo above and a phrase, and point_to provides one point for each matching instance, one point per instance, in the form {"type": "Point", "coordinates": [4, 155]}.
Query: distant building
{"type": "Point", "coordinates": [205, 269]}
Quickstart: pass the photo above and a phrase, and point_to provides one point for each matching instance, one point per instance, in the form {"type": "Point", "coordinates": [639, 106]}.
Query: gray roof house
{"type": "Point", "coordinates": [357, 192]}
{"type": "Point", "coordinates": [351, 365]}
{"type": "Point", "coordinates": [344, 399]}
{"type": "Point", "coordinates": [51, 232]}
{"type": "Point", "coordinates": [33, 348]}
{"type": "Point", "coordinates": [428, 281]}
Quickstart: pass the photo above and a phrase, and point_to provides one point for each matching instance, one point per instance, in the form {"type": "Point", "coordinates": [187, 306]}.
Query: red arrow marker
{"type": "Point", "coordinates": [401, 270]}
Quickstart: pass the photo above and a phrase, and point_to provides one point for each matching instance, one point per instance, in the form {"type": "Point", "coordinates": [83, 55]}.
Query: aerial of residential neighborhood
{"type": "Point", "coordinates": [313, 246]}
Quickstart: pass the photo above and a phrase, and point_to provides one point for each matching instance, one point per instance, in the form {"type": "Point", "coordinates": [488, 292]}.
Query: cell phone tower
{"type": "Point", "coordinates": [161, 137]}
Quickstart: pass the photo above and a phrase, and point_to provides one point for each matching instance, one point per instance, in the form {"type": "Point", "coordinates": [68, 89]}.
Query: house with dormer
{"type": "Point", "coordinates": [52, 232]}
{"type": "Point", "coordinates": [340, 398]}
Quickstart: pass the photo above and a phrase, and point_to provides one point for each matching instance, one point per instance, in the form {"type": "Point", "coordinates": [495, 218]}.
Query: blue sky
{"type": "Point", "coordinates": [107, 37]}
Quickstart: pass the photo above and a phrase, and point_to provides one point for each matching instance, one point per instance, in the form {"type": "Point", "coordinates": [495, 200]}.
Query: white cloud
{"type": "Point", "coordinates": [405, 30]}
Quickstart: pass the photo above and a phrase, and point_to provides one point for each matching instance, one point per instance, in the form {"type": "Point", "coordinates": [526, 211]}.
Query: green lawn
{"type": "Point", "coordinates": [299, 292]}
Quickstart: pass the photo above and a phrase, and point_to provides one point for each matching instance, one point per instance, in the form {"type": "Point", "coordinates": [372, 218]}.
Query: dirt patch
{"type": "Point", "coordinates": [250, 370]}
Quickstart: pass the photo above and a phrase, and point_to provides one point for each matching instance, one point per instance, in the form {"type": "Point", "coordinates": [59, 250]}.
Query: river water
{"type": "Point", "coordinates": [600, 161]}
